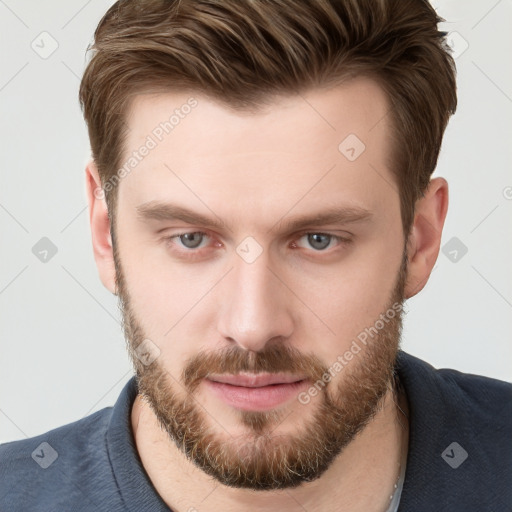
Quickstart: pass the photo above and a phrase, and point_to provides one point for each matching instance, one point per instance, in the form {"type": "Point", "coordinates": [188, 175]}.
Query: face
{"type": "Point", "coordinates": [260, 267]}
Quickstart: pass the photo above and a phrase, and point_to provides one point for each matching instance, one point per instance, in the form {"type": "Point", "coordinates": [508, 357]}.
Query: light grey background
{"type": "Point", "coordinates": [62, 353]}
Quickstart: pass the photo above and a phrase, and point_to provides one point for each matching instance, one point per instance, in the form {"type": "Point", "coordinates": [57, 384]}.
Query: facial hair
{"type": "Point", "coordinates": [260, 459]}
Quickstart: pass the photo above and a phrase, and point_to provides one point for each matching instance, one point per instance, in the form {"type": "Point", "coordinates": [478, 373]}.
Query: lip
{"type": "Point", "coordinates": [255, 392]}
{"type": "Point", "coordinates": [255, 380]}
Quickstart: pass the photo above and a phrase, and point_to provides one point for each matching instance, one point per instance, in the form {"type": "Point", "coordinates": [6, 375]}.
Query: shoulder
{"type": "Point", "coordinates": [60, 466]}
{"type": "Point", "coordinates": [492, 398]}
{"type": "Point", "coordinates": [460, 449]}
{"type": "Point", "coordinates": [488, 399]}
{"type": "Point", "coordinates": [72, 433]}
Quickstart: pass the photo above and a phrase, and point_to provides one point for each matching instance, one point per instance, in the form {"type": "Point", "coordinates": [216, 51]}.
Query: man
{"type": "Point", "coordinates": [261, 202]}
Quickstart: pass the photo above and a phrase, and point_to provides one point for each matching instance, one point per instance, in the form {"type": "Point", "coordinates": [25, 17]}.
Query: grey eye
{"type": "Point", "coordinates": [319, 241]}
{"type": "Point", "coordinates": [192, 240]}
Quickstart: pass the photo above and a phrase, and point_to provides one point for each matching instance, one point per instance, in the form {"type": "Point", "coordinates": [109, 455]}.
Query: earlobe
{"type": "Point", "coordinates": [100, 228]}
{"type": "Point", "coordinates": [425, 237]}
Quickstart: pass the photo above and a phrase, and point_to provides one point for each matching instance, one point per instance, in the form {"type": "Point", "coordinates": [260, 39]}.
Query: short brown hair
{"type": "Point", "coordinates": [240, 52]}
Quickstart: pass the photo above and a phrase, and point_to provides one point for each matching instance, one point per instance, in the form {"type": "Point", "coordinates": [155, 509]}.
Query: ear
{"type": "Point", "coordinates": [100, 228]}
{"type": "Point", "coordinates": [425, 237]}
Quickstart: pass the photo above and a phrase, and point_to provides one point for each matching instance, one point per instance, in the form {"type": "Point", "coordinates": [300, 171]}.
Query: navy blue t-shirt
{"type": "Point", "coordinates": [459, 459]}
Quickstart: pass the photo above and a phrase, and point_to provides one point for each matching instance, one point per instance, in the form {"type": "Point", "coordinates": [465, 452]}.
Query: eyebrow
{"type": "Point", "coordinates": [159, 211]}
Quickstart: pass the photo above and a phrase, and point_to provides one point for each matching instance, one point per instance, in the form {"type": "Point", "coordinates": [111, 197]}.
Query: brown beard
{"type": "Point", "coordinates": [262, 459]}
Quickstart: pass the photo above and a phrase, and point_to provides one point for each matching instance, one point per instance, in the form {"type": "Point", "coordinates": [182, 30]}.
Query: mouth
{"type": "Point", "coordinates": [257, 391]}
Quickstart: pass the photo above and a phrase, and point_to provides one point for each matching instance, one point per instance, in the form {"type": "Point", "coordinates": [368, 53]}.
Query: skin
{"type": "Point", "coordinates": [251, 171]}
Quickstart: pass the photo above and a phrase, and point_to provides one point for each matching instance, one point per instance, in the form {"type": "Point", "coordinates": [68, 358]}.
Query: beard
{"type": "Point", "coordinates": [261, 458]}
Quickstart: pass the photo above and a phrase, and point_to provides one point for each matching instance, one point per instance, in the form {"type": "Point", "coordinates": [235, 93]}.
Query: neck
{"type": "Point", "coordinates": [361, 478]}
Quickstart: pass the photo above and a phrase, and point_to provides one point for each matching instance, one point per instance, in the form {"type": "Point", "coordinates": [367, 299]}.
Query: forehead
{"type": "Point", "coordinates": [355, 106]}
{"type": "Point", "coordinates": [326, 144]}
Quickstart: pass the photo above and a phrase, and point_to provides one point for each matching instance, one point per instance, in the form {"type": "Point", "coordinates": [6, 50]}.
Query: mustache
{"type": "Point", "coordinates": [275, 359]}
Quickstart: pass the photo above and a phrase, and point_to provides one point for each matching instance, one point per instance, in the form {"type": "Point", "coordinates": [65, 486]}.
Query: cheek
{"type": "Point", "coordinates": [170, 307]}
{"type": "Point", "coordinates": [160, 290]}
{"type": "Point", "coordinates": [356, 296]}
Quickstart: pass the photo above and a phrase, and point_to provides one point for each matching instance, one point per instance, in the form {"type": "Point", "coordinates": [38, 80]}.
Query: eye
{"type": "Point", "coordinates": [322, 241]}
{"type": "Point", "coordinates": [189, 244]}
{"type": "Point", "coordinates": [189, 240]}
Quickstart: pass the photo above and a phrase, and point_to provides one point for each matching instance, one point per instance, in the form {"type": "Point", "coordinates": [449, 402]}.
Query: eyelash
{"type": "Point", "coordinates": [196, 253]}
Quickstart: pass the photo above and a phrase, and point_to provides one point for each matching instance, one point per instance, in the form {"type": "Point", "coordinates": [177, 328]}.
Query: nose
{"type": "Point", "coordinates": [255, 307]}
